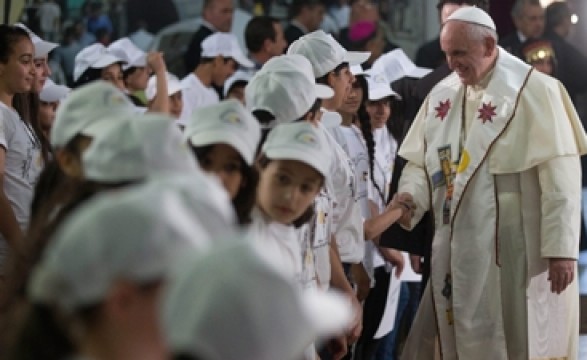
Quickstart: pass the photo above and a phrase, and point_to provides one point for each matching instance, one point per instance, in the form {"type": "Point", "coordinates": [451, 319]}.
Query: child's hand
{"type": "Point", "coordinates": [156, 62]}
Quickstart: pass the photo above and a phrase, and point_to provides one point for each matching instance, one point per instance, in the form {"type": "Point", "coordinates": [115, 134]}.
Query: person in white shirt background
{"type": "Point", "coordinates": [221, 55]}
{"type": "Point", "coordinates": [20, 158]}
{"type": "Point", "coordinates": [49, 14]}
{"type": "Point", "coordinates": [174, 94]}
{"type": "Point", "coordinates": [50, 97]}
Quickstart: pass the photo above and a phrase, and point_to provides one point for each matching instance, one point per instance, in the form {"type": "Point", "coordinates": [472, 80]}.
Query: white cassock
{"type": "Point", "coordinates": [498, 164]}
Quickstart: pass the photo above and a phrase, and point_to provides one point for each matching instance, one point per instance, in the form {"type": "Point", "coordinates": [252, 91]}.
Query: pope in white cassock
{"type": "Point", "coordinates": [494, 153]}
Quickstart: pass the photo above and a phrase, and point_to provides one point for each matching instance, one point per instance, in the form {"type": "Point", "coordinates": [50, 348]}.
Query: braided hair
{"type": "Point", "coordinates": [367, 132]}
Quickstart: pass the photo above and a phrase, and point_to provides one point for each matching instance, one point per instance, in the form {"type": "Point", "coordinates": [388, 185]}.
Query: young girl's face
{"type": "Point", "coordinates": [353, 100]}
{"type": "Point", "coordinates": [138, 79]}
{"type": "Point", "coordinates": [18, 73]}
{"type": "Point", "coordinates": [286, 189]}
{"type": "Point", "coordinates": [341, 83]}
{"type": "Point", "coordinates": [379, 112]}
{"type": "Point", "coordinates": [226, 163]}
{"type": "Point", "coordinates": [42, 72]}
{"type": "Point", "coordinates": [47, 112]}
{"type": "Point", "coordinates": [175, 104]}
{"type": "Point", "coordinates": [544, 66]}
{"type": "Point", "coordinates": [113, 74]}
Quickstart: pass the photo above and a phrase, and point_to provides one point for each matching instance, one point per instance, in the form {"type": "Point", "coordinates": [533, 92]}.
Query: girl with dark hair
{"type": "Point", "coordinates": [95, 62]}
{"type": "Point", "coordinates": [20, 150]}
{"type": "Point", "coordinates": [381, 146]}
{"type": "Point", "coordinates": [292, 169]}
{"type": "Point", "coordinates": [224, 139]}
{"type": "Point", "coordinates": [28, 104]}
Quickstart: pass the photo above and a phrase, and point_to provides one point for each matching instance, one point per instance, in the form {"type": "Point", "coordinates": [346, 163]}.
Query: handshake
{"type": "Point", "coordinates": [405, 203]}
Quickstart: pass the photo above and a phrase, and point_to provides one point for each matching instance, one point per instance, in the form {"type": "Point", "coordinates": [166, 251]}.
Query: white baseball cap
{"type": "Point", "coordinates": [227, 122]}
{"type": "Point", "coordinates": [286, 88]}
{"type": "Point", "coordinates": [300, 141]}
{"type": "Point", "coordinates": [174, 85]}
{"type": "Point", "coordinates": [357, 70]}
{"type": "Point", "coordinates": [126, 50]}
{"type": "Point", "coordinates": [231, 304]}
{"type": "Point", "coordinates": [396, 65]}
{"type": "Point", "coordinates": [473, 15]}
{"type": "Point", "coordinates": [88, 110]}
{"type": "Point", "coordinates": [135, 234]}
{"type": "Point", "coordinates": [238, 75]}
{"type": "Point", "coordinates": [95, 56]}
{"type": "Point", "coordinates": [325, 53]}
{"type": "Point", "coordinates": [42, 47]}
{"type": "Point", "coordinates": [378, 86]}
{"type": "Point", "coordinates": [138, 146]}
{"type": "Point", "coordinates": [52, 92]}
{"type": "Point", "coordinates": [225, 45]}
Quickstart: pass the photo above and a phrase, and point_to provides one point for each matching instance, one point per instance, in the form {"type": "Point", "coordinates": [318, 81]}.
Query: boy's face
{"type": "Point", "coordinates": [223, 69]}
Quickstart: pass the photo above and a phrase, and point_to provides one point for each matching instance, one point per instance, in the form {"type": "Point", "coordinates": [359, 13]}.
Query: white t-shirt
{"type": "Point", "coordinates": [315, 240]}
{"type": "Point", "coordinates": [195, 95]}
{"type": "Point", "coordinates": [351, 140]}
{"type": "Point", "coordinates": [48, 14]}
{"type": "Point", "coordinates": [279, 244]}
{"type": "Point", "coordinates": [24, 163]}
{"type": "Point", "coordinates": [347, 219]}
{"type": "Point", "coordinates": [385, 153]}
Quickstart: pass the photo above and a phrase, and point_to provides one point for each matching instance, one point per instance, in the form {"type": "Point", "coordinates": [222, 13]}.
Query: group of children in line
{"type": "Point", "coordinates": [182, 226]}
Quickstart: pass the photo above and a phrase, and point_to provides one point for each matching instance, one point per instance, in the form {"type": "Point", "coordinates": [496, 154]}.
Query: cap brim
{"type": "Point", "coordinates": [54, 93]}
{"type": "Point", "coordinates": [106, 60]}
{"type": "Point", "coordinates": [43, 48]}
{"type": "Point", "coordinates": [324, 91]}
{"type": "Point", "coordinates": [419, 72]}
{"type": "Point", "coordinates": [379, 94]}
{"type": "Point", "coordinates": [175, 87]}
{"type": "Point", "coordinates": [204, 138]}
{"type": "Point", "coordinates": [141, 61]}
{"type": "Point", "coordinates": [357, 70]}
{"type": "Point", "coordinates": [356, 57]}
{"type": "Point", "coordinates": [243, 61]}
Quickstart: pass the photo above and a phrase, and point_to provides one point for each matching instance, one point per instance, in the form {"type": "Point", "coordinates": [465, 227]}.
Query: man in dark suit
{"type": "Point", "coordinates": [571, 62]}
{"type": "Point", "coordinates": [528, 16]}
{"type": "Point", "coordinates": [305, 17]}
{"type": "Point", "coordinates": [216, 16]}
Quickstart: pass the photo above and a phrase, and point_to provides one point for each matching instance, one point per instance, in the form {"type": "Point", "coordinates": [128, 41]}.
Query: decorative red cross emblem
{"type": "Point", "coordinates": [487, 112]}
{"type": "Point", "coordinates": [442, 109]}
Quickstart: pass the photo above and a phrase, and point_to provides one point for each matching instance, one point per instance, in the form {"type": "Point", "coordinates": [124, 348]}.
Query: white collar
{"type": "Point", "coordinates": [521, 37]}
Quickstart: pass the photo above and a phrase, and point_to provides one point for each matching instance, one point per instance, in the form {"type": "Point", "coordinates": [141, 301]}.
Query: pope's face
{"type": "Point", "coordinates": [470, 58]}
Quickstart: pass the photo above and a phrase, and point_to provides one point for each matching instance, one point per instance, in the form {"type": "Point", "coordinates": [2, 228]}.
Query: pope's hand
{"type": "Point", "coordinates": [407, 202]}
{"type": "Point", "coordinates": [561, 273]}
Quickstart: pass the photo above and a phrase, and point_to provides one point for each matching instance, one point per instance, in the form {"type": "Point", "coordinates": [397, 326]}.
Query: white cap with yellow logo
{"type": "Point", "coordinates": [299, 141]}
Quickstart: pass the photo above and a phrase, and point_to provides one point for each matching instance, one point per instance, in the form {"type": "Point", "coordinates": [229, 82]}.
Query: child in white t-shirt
{"type": "Point", "coordinates": [20, 150]}
{"type": "Point", "coordinates": [292, 167]}
{"type": "Point", "coordinates": [224, 137]}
